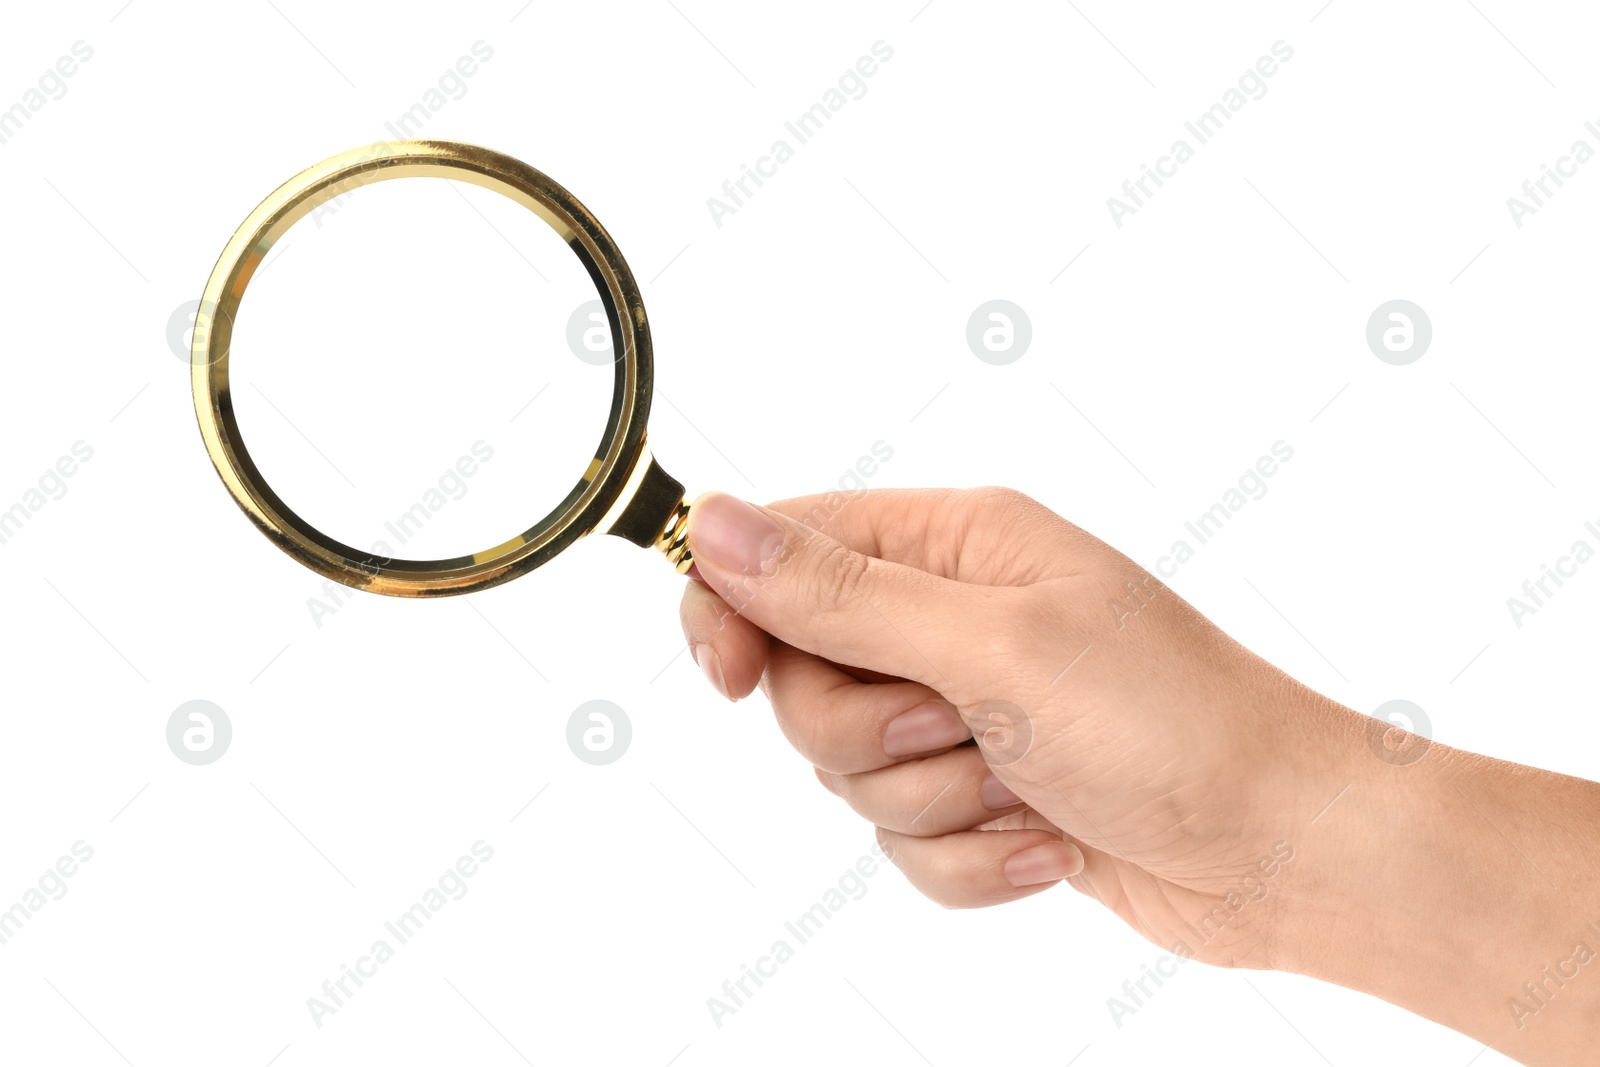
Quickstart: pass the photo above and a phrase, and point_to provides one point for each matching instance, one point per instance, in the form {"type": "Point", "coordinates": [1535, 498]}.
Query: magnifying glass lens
{"type": "Point", "coordinates": [422, 369]}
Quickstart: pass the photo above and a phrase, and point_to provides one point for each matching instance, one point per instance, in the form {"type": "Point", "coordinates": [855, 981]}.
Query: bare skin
{"type": "Point", "coordinates": [1068, 718]}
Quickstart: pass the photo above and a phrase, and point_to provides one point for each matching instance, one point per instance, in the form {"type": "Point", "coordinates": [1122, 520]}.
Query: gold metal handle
{"type": "Point", "coordinates": [654, 513]}
{"type": "Point", "coordinates": [674, 540]}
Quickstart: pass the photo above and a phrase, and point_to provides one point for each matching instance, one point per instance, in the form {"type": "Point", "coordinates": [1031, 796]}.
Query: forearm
{"type": "Point", "coordinates": [1462, 888]}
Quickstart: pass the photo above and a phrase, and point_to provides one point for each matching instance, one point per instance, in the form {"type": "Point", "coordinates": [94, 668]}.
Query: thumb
{"type": "Point", "coordinates": [814, 593]}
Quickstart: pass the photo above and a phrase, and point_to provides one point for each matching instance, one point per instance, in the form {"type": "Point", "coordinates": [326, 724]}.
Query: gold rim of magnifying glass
{"type": "Point", "coordinates": [652, 512]}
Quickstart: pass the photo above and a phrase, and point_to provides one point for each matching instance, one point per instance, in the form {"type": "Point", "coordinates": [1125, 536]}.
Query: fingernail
{"type": "Point", "coordinates": [996, 794]}
{"type": "Point", "coordinates": [924, 728]}
{"type": "Point", "coordinates": [726, 532]}
{"type": "Point", "coordinates": [694, 574]}
{"type": "Point", "coordinates": [1049, 862]}
{"type": "Point", "coordinates": [711, 666]}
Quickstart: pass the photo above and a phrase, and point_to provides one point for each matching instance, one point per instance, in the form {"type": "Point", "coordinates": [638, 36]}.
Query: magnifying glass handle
{"type": "Point", "coordinates": [674, 538]}
{"type": "Point", "coordinates": [656, 516]}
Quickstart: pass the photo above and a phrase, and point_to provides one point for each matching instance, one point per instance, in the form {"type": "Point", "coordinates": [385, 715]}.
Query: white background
{"type": "Point", "coordinates": [826, 314]}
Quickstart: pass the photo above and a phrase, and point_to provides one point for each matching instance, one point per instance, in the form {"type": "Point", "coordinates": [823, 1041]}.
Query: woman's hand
{"type": "Point", "coordinates": [1013, 703]}
{"type": "Point", "coordinates": [1122, 740]}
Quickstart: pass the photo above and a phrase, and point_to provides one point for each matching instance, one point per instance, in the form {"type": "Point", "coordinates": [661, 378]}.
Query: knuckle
{"type": "Point", "coordinates": [932, 874]}
{"type": "Point", "coordinates": [813, 735]}
{"type": "Point", "coordinates": [837, 574]}
{"type": "Point", "coordinates": [1023, 624]}
{"type": "Point", "coordinates": [821, 729]}
{"type": "Point", "coordinates": [886, 844]}
{"type": "Point", "coordinates": [837, 784]}
{"type": "Point", "coordinates": [702, 613]}
{"type": "Point", "coordinates": [1004, 501]}
{"type": "Point", "coordinates": [940, 889]}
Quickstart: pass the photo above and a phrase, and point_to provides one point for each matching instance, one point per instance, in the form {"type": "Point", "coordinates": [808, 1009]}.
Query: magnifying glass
{"type": "Point", "coordinates": [623, 491]}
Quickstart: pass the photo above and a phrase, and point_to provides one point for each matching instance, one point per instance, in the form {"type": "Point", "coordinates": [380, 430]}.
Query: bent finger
{"type": "Point", "coordinates": [848, 726]}
{"type": "Point", "coordinates": [730, 650]}
{"type": "Point", "coordinates": [927, 797]}
{"type": "Point", "coordinates": [980, 868]}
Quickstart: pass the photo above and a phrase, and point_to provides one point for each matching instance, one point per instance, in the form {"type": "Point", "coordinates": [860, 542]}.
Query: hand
{"type": "Point", "coordinates": [1123, 742]}
{"type": "Point", "coordinates": [1014, 703]}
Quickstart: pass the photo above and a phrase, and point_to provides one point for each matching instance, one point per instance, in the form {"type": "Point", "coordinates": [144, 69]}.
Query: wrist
{"type": "Point", "coordinates": [1445, 883]}
{"type": "Point", "coordinates": [1373, 892]}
